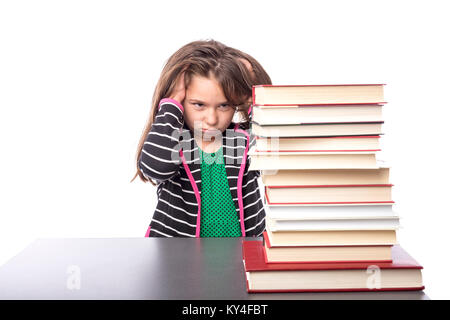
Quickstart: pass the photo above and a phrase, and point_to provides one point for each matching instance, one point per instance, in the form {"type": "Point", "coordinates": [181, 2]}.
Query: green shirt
{"type": "Point", "coordinates": [219, 217]}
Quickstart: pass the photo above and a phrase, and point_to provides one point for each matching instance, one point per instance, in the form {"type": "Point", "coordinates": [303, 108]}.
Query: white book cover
{"type": "Point", "coordinates": [374, 223]}
{"type": "Point", "coordinates": [321, 212]}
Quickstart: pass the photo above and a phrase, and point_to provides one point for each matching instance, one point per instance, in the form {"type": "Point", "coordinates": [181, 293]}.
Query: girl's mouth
{"type": "Point", "coordinates": [210, 131]}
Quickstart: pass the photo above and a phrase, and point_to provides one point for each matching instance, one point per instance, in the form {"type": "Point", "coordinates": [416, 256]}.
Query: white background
{"type": "Point", "coordinates": [77, 78]}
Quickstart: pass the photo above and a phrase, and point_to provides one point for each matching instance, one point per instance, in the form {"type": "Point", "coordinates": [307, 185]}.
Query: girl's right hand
{"type": "Point", "coordinates": [179, 92]}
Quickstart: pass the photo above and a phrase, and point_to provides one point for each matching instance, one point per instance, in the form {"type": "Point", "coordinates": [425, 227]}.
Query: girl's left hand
{"type": "Point", "coordinates": [179, 92]}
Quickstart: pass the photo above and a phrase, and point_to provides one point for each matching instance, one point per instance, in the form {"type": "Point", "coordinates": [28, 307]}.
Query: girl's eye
{"type": "Point", "coordinates": [224, 106]}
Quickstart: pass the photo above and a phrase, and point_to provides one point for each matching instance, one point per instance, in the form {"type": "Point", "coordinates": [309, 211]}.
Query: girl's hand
{"type": "Point", "coordinates": [179, 92]}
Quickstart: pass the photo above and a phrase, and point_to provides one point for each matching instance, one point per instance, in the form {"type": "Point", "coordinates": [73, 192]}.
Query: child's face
{"type": "Point", "coordinates": [206, 110]}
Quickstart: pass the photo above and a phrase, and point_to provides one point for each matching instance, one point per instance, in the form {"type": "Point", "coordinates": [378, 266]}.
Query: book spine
{"type": "Point", "coordinates": [253, 95]}
{"type": "Point", "coordinates": [352, 202]}
{"type": "Point", "coordinates": [332, 186]}
{"type": "Point", "coordinates": [338, 290]}
{"type": "Point", "coordinates": [321, 85]}
{"type": "Point", "coordinates": [321, 104]}
{"type": "Point", "coordinates": [369, 150]}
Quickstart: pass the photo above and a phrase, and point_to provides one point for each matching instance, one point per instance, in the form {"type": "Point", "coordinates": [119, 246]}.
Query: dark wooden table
{"type": "Point", "coordinates": [142, 268]}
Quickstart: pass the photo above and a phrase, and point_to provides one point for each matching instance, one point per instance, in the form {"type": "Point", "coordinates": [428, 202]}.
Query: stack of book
{"type": "Point", "coordinates": [330, 225]}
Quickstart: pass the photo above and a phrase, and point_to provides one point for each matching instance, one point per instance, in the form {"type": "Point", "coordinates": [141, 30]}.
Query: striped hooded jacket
{"type": "Point", "coordinates": [170, 156]}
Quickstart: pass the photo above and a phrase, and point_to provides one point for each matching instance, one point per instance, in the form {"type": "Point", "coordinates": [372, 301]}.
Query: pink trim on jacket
{"type": "Point", "coordinates": [197, 194]}
{"type": "Point", "coordinates": [239, 182]}
{"type": "Point", "coordinates": [148, 232]}
{"type": "Point", "coordinates": [172, 101]}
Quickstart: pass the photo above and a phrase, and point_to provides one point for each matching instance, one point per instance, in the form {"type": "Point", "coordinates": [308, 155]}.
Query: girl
{"type": "Point", "coordinates": [195, 152]}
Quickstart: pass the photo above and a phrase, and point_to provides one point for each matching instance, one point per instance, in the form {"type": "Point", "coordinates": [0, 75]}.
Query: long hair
{"type": "Point", "coordinates": [235, 71]}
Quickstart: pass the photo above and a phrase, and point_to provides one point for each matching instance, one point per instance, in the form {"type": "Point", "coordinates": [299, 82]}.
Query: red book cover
{"type": "Point", "coordinates": [321, 123]}
{"type": "Point", "coordinates": [317, 85]}
{"type": "Point", "coordinates": [253, 254]}
{"type": "Point", "coordinates": [320, 85]}
{"type": "Point", "coordinates": [266, 241]}
{"type": "Point", "coordinates": [337, 151]}
{"type": "Point", "coordinates": [376, 104]}
{"type": "Point", "coordinates": [331, 186]}
{"type": "Point", "coordinates": [336, 137]}
{"type": "Point", "coordinates": [323, 186]}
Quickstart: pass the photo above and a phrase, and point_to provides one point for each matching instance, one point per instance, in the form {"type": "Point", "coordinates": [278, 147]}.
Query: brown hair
{"type": "Point", "coordinates": [235, 71]}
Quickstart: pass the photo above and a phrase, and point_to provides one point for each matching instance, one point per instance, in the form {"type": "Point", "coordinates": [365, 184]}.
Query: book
{"type": "Point", "coordinates": [318, 129]}
{"type": "Point", "coordinates": [328, 194]}
{"type": "Point", "coordinates": [266, 115]}
{"type": "Point", "coordinates": [403, 273]}
{"type": "Point", "coordinates": [280, 254]}
{"type": "Point", "coordinates": [339, 223]}
{"type": "Point", "coordinates": [311, 160]}
{"type": "Point", "coordinates": [318, 144]}
{"type": "Point", "coordinates": [283, 177]}
{"type": "Point", "coordinates": [318, 94]}
{"type": "Point", "coordinates": [332, 211]}
{"type": "Point", "coordinates": [332, 237]}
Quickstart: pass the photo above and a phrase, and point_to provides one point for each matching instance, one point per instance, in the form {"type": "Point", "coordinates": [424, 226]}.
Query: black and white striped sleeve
{"type": "Point", "coordinates": [159, 158]}
{"type": "Point", "coordinates": [252, 143]}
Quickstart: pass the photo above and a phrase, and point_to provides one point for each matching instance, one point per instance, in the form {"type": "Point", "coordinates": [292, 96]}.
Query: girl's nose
{"type": "Point", "coordinates": [211, 117]}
